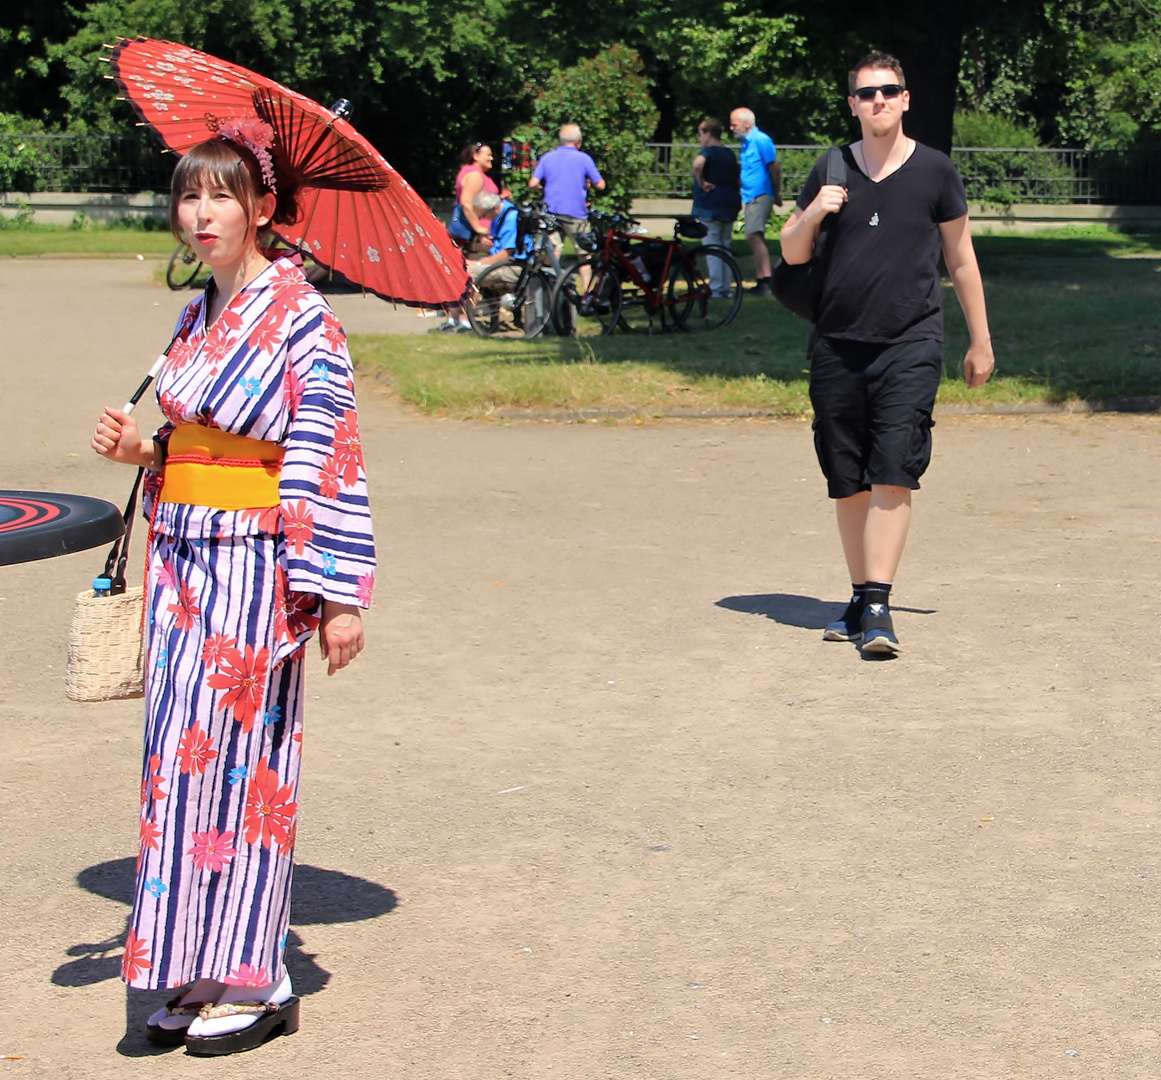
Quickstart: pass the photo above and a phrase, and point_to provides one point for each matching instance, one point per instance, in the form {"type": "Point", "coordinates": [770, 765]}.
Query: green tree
{"type": "Point", "coordinates": [424, 76]}
{"type": "Point", "coordinates": [608, 95]}
{"type": "Point", "coordinates": [30, 79]}
{"type": "Point", "coordinates": [19, 161]}
{"type": "Point", "coordinates": [1082, 72]}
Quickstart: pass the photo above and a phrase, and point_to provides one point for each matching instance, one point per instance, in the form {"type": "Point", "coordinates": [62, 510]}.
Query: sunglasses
{"type": "Point", "coordinates": [867, 93]}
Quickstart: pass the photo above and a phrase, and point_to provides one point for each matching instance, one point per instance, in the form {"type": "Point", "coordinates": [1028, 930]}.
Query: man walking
{"type": "Point", "coordinates": [565, 175]}
{"type": "Point", "coordinates": [761, 190]}
{"type": "Point", "coordinates": [877, 356]}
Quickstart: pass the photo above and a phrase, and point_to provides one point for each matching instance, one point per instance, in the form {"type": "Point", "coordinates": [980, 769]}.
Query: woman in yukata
{"type": "Point", "coordinates": [260, 537]}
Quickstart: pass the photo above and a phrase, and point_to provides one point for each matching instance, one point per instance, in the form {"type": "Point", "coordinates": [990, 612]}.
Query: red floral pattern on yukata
{"type": "Point", "coordinates": [270, 809]}
{"type": "Point", "coordinates": [243, 676]}
{"type": "Point", "coordinates": [186, 609]}
{"type": "Point", "coordinates": [295, 613]}
{"type": "Point", "coordinates": [333, 332]}
{"type": "Point", "coordinates": [149, 837]}
{"type": "Point", "coordinates": [268, 334]}
{"type": "Point", "coordinates": [212, 850]}
{"type": "Point", "coordinates": [215, 647]}
{"type": "Point", "coordinates": [269, 519]}
{"type": "Point", "coordinates": [245, 975]}
{"type": "Point", "coordinates": [297, 525]}
{"type": "Point", "coordinates": [195, 750]}
{"type": "Point", "coordinates": [151, 786]}
{"type": "Point", "coordinates": [135, 962]}
{"type": "Point", "coordinates": [348, 449]}
{"type": "Point", "coordinates": [329, 479]}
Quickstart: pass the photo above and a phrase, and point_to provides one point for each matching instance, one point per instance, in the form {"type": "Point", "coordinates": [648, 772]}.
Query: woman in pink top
{"type": "Point", "coordinates": [471, 180]}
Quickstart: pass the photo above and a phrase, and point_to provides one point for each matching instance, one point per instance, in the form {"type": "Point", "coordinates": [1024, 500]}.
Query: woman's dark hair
{"type": "Point", "coordinates": [469, 152]}
{"type": "Point", "coordinates": [219, 162]}
{"type": "Point", "coordinates": [711, 126]}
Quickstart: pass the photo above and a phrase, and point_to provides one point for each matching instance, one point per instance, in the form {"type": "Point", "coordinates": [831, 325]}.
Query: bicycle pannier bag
{"type": "Point", "coordinates": [692, 229]}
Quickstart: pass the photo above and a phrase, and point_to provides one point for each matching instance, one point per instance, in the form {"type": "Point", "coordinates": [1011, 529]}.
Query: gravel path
{"type": "Point", "coordinates": [598, 802]}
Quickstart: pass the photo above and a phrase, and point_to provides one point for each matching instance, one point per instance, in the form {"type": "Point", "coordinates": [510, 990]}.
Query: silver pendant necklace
{"type": "Point", "coordinates": [874, 220]}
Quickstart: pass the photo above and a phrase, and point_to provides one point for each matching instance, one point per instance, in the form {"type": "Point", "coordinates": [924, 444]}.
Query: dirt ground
{"type": "Point", "coordinates": [598, 802]}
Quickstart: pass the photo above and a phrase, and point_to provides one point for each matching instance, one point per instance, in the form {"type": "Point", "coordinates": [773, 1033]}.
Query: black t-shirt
{"type": "Point", "coordinates": [882, 284]}
{"type": "Point", "coordinates": [721, 169]}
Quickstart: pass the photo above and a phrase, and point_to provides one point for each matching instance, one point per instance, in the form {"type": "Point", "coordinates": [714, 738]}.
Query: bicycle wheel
{"type": "Point", "coordinates": [510, 299]}
{"type": "Point", "coordinates": [638, 313]}
{"type": "Point", "coordinates": [586, 309]}
{"type": "Point", "coordinates": [706, 289]}
{"type": "Point", "coordinates": [183, 267]}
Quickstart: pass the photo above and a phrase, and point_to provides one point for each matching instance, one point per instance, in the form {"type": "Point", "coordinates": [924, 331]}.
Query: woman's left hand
{"type": "Point", "coordinates": [340, 634]}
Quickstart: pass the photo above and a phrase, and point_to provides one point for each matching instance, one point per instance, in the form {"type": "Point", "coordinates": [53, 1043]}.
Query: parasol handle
{"type": "Point", "coordinates": [140, 391]}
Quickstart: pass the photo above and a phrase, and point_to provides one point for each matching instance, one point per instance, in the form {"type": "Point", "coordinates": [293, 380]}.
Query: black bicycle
{"type": "Point", "coordinates": [184, 266]}
{"type": "Point", "coordinates": [515, 297]}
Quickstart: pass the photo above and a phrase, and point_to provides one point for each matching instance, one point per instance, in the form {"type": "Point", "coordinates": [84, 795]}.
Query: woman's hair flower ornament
{"type": "Point", "coordinates": [258, 137]}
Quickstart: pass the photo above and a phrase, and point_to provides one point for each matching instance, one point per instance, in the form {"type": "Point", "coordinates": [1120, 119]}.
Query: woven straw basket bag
{"type": "Point", "coordinates": [105, 647]}
{"type": "Point", "coordinates": [105, 639]}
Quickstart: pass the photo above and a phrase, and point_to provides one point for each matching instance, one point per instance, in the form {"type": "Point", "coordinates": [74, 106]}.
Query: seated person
{"type": "Point", "coordinates": [505, 238]}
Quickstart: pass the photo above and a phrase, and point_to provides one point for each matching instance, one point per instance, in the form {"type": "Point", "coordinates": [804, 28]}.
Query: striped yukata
{"type": "Point", "coordinates": [234, 595]}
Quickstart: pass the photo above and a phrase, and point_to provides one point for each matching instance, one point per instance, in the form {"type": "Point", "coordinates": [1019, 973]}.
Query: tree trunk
{"type": "Point", "coordinates": [928, 43]}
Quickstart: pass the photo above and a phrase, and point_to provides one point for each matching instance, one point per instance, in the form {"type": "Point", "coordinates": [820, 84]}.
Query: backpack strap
{"type": "Point", "coordinates": [836, 167]}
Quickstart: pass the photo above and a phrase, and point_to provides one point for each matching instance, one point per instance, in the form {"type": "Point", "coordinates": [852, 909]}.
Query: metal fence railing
{"type": "Point", "coordinates": [992, 175]}
{"type": "Point", "coordinates": [129, 163]}
{"type": "Point", "coordinates": [112, 163]}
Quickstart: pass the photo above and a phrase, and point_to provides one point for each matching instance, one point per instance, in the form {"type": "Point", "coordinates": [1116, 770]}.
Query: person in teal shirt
{"type": "Point", "coordinates": [761, 190]}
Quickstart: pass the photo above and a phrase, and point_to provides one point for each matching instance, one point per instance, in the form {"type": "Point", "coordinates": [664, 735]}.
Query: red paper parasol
{"type": "Point", "coordinates": [359, 216]}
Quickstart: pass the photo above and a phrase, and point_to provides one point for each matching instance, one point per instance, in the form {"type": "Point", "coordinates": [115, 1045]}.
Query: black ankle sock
{"type": "Point", "coordinates": [853, 612]}
{"type": "Point", "coordinates": [877, 592]}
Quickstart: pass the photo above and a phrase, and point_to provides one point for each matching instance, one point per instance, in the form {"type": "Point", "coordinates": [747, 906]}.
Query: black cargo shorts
{"type": "Point", "coordinates": [872, 412]}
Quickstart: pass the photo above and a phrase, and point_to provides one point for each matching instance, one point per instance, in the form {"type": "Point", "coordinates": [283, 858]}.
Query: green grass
{"type": "Point", "coordinates": [1070, 320]}
{"type": "Point", "coordinates": [27, 240]}
{"type": "Point", "coordinates": [1074, 315]}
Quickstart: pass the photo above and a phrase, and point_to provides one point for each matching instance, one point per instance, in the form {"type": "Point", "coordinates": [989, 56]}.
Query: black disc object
{"type": "Point", "coordinates": [42, 524]}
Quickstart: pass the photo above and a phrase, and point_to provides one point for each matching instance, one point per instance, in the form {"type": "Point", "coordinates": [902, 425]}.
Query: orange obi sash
{"type": "Point", "coordinates": [209, 467]}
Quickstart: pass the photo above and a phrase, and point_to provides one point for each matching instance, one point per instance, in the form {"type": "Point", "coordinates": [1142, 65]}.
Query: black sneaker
{"type": "Point", "coordinates": [762, 288]}
{"type": "Point", "coordinates": [848, 626]}
{"type": "Point", "coordinates": [879, 631]}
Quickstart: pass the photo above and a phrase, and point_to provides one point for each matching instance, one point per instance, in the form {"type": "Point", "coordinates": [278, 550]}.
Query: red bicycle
{"type": "Point", "coordinates": [647, 285]}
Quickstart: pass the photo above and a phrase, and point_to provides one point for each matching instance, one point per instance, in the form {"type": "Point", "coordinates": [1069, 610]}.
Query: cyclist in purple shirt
{"type": "Point", "coordinates": [565, 175]}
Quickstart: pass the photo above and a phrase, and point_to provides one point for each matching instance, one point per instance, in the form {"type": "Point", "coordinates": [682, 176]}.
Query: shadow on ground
{"type": "Point", "coordinates": [318, 896]}
{"type": "Point", "coordinates": [790, 609]}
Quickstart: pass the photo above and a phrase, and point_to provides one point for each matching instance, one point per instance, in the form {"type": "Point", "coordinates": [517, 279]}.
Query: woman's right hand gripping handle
{"type": "Point", "coordinates": [118, 438]}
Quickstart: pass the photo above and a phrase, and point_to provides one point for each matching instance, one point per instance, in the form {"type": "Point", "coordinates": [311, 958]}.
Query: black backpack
{"type": "Point", "coordinates": [525, 227]}
{"type": "Point", "coordinates": [799, 287]}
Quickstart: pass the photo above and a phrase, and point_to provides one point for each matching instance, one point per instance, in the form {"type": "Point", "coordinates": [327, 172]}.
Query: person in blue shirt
{"type": "Point", "coordinates": [761, 190]}
{"type": "Point", "coordinates": [505, 237]}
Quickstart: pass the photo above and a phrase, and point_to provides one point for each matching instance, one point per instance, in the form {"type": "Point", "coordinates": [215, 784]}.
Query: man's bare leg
{"type": "Point", "coordinates": [885, 535]}
{"type": "Point", "coordinates": [757, 241]}
{"type": "Point", "coordinates": [873, 527]}
{"type": "Point", "coordinates": [852, 523]}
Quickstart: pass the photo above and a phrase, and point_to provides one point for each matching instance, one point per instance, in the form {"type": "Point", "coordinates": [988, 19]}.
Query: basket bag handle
{"type": "Point", "coordinates": [119, 552]}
